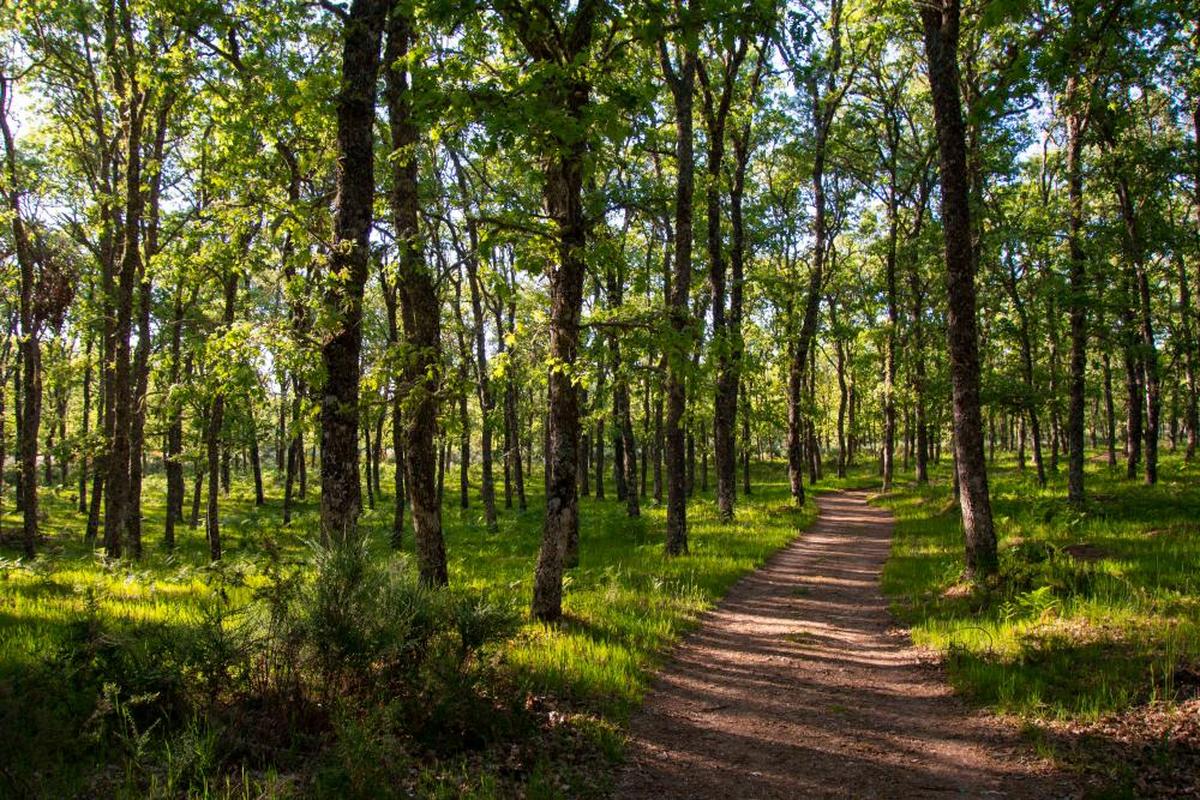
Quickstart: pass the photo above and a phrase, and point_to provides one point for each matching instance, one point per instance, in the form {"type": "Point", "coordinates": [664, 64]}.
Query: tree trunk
{"type": "Point", "coordinates": [29, 397]}
{"type": "Point", "coordinates": [3, 423]}
{"type": "Point", "coordinates": [117, 490]}
{"type": "Point", "coordinates": [893, 324]}
{"type": "Point", "coordinates": [745, 441]}
{"type": "Point", "coordinates": [399, 493]}
{"type": "Point", "coordinates": [1148, 356]}
{"type": "Point", "coordinates": [173, 457]}
{"type": "Point", "coordinates": [1152, 379]}
{"type": "Point", "coordinates": [917, 337]}
{"type": "Point", "coordinates": [377, 452]}
{"type": "Point", "coordinates": [281, 437]}
{"type": "Point", "coordinates": [1133, 399]}
{"type": "Point", "coordinates": [658, 448]}
{"type": "Point", "coordinates": [137, 432]}
{"type": "Point", "coordinates": [31, 414]}
{"type": "Point", "coordinates": [583, 468]}
{"type": "Point", "coordinates": [822, 107]}
{"type": "Point", "coordinates": [564, 203]}
{"type": "Point", "coordinates": [464, 448]}
{"type": "Point", "coordinates": [843, 398]}
{"type": "Point", "coordinates": [215, 445]}
{"type": "Point", "coordinates": [341, 498]}
{"type": "Point", "coordinates": [731, 382]}
{"type": "Point", "coordinates": [510, 410]}
{"type": "Point", "coordinates": [625, 456]}
{"type": "Point", "coordinates": [487, 403]}
{"type": "Point", "coordinates": [1077, 299]}
{"type": "Point", "coordinates": [689, 481]}
{"type": "Point", "coordinates": [620, 484]}
{"type": "Point", "coordinates": [212, 523]}
{"type": "Point", "coordinates": [1191, 409]}
{"type": "Point", "coordinates": [941, 28]}
{"type": "Point", "coordinates": [295, 452]}
{"type": "Point", "coordinates": [197, 486]}
{"type": "Point", "coordinates": [141, 368]}
{"type": "Point", "coordinates": [85, 427]}
{"type": "Point", "coordinates": [1110, 416]}
{"type": "Point", "coordinates": [1030, 400]}
{"type": "Point", "coordinates": [599, 456]}
{"type": "Point", "coordinates": [420, 312]}
{"type": "Point", "coordinates": [367, 449]}
{"type": "Point", "coordinates": [646, 437]}
{"type": "Point", "coordinates": [716, 113]}
{"type": "Point", "coordinates": [255, 456]}
{"type": "Point", "coordinates": [682, 85]}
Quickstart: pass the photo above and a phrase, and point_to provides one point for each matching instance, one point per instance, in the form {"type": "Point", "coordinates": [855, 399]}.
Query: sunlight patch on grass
{"type": "Point", "coordinates": [1098, 608]}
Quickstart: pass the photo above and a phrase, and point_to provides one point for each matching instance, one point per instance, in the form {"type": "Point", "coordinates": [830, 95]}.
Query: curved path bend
{"type": "Point", "coordinates": [800, 685]}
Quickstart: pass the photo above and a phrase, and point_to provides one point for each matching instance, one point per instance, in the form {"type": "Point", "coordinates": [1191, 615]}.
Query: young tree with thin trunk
{"type": "Point", "coordinates": [818, 75]}
{"type": "Point", "coordinates": [30, 403]}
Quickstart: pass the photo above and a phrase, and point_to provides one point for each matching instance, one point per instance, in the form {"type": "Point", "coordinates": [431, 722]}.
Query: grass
{"type": "Point", "coordinates": [1098, 609]}
{"type": "Point", "coordinates": [625, 604]}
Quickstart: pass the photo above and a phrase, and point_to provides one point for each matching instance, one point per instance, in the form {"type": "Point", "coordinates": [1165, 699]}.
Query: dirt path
{"type": "Point", "coordinates": [800, 686]}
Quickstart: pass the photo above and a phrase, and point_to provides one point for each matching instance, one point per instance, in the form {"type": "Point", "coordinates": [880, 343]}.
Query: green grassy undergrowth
{"type": "Point", "coordinates": [1097, 609]}
{"type": "Point", "coordinates": [288, 670]}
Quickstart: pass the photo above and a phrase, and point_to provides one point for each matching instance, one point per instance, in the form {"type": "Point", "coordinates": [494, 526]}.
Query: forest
{"type": "Point", "coordinates": [543, 398]}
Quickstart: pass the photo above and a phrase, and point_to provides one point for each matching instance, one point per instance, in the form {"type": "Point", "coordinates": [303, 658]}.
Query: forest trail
{"type": "Point", "coordinates": [800, 686]}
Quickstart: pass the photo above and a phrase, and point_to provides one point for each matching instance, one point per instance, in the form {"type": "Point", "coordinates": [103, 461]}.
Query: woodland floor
{"type": "Point", "coordinates": [801, 685]}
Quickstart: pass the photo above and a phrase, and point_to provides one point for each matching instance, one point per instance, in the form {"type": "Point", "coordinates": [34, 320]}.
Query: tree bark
{"type": "Point", "coordinates": [1133, 396]}
{"type": "Point", "coordinates": [682, 84]}
{"type": "Point", "coordinates": [599, 440]}
{"type": "Point", "coordinates": [823, 99]}
{"type": "Point", "coordinates": [746, 488]}
{"type": "Point", "coordinates": [255, 457]}
{"type": "Point", "coordinates": [1191, 410]}
{"type": "Point", "coordinates": [1139, 298]}
{"type": "Point", "coordinates": [117, 490]}
{"type": "Point", "coordinates": [141, 366]}
{"type": "Point", "coordinates": [843, 400]}
{"type": "Point", "coordinates": [420, 310]}
{"type": "Point", "coordinates": [1030, 399]}
{"type": "Point", "coordinates": [1110, 416]}
{"type": "Point", "coordinates": [716, 108]}
{"type": "Point", "coordinates": [215, 445]}
{"type": "Point", "coordinates": [483, 379]}
{"type": "Point", "coordinates": [941, 28]}
{"type": "Point", "coordinates": [366, 429]}
{"type": "Point", "coordinates": [1077, 298]}
{"type": "Point", "coordinates": [569, 92]}
{"type": "Point", "coordinates": [85, 426]}
{"type": "Point", "coordinates": [513, 467]}
{"type": "Point", "coordinates": [341, 492]}
{"type": "Point", "coordinates": [622, 415]}
{"type": "Point", "coordinates": [29, 398]}
{"type": "Point", "coordinates": [172, 458]}
{"type": "Point", "coordinates": [391, 302]}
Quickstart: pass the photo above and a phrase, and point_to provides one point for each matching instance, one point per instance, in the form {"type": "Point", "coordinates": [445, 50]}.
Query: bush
{"type": "Point", "coordinates": [335, 672]}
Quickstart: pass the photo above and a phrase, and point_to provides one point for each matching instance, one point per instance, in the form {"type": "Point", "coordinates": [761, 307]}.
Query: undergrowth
{"type": "Point", "coordinates": [1097, 609]}
{"type": "Point", "coordinates": [295, 670]}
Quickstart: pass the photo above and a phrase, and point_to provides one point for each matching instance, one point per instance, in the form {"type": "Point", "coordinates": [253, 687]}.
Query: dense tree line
{"type": "Point", "coordinates": [618, 244]}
